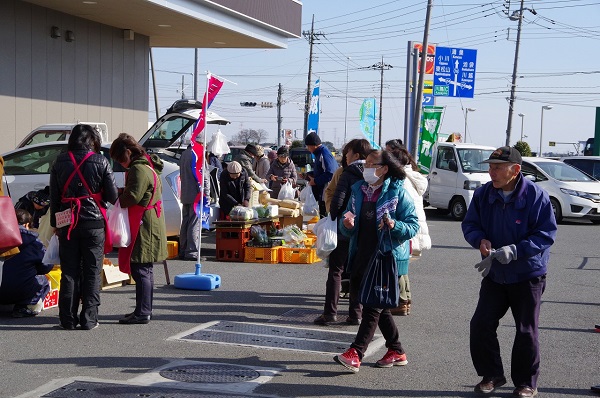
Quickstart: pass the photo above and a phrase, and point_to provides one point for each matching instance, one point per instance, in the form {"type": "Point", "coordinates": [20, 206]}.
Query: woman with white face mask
{"type": "Point", "coordinates": [377, 204]}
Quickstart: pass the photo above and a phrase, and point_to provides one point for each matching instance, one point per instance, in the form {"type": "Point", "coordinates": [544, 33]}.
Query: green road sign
{"type": "Point", "coordinates": [441, 91]}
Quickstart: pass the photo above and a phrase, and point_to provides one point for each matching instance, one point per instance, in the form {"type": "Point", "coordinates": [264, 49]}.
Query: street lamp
{"type": "Point", "coordinates": [545, 107]}
{"type": "Point", "coordinates": [467, 110]}
{"type": "Point", "coordinates": [522, 115]}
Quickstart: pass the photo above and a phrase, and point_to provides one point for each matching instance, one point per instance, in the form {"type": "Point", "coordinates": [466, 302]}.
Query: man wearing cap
{"type": "Point", "coordinates": [245, 159]}
{"type": "Point", "coordinates": [282, 170]}
{"type": "Point", "coordinates": [325, 166]}
{"type": "Point", "coordinates": [190, 187]}
{"type": "Point", "coordinates": [235, 189]}
{"type": "Point", "coordinates": [36, 203]}
{"type": "Point", "coordinates": [510, 220]}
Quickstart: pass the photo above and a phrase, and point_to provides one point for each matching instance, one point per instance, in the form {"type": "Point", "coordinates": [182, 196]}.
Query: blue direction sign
{"type": "Point", "coordinates": [454, 72]}
{"type": "Point", "coordinates": [428, 100]}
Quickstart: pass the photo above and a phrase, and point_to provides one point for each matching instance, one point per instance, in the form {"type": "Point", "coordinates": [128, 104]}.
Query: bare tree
{"type": "Point", "coordinates": [261, 136]}
{"type": "Point", "coordinates": [247, 136]}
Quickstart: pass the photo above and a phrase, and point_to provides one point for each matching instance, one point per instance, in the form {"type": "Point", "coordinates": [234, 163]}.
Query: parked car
{"type": "Point", "coordinates": [59, 132]}
{"type": "Point", "coordinates": [573, 194]}
{"type": "Point", "coordinates": [28, 169]}
{"type": "Point", "coordinates": [590, 165]}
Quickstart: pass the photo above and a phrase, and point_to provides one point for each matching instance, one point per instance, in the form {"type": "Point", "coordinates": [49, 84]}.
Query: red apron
{"type": "Point", "coordinates": [75, 203]}
{"type": "Point", "coordinates": [136, 213]}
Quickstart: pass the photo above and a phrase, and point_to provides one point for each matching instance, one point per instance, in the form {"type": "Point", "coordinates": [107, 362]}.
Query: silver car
{"type": "Point", "coordinates": [28, 169]}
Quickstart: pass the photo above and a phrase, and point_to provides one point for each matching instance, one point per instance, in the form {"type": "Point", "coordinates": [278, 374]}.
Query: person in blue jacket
{"type": "Point", "coordinates": [378, 205]}
{"type": "Point", "coordinates": [22, 278]}
{"type": "Point", "coordinates": [510, 220]}
{"type": "Point", "coordinates": [325, 166]}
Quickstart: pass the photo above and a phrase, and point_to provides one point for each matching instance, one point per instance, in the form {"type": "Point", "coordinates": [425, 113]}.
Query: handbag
{"type": "Point", "coordinates": [10, 236]}
{"type": "Point", "coordinates": [379, 286]}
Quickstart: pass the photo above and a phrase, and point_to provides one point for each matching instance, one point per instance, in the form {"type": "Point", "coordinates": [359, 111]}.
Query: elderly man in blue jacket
{"type": "Point", "coordinates": [511, 222]}
{"type": "Point", "coordinates": [325, 166]}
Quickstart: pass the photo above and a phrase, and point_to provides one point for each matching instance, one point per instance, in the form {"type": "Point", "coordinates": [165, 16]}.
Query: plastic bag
{"type": "Point", "coordinates": [51, 256]}
{"type": "Point", "coordinates": [326, 236]}
{"type": "Point", "coordinates": [311, 207]}
{"type": "Point", "coordinates": [45, 230]}
{"type": "Point", "coordinates": [292, 234]}
{"type": "Point", "coordinates": [286, 192]}
{"type": "Point", "coordinates": [218, 144]}
{"type": "Point", "coordinates": [118, 225]}
{"type": "Point", "coordinates": [304, 194]}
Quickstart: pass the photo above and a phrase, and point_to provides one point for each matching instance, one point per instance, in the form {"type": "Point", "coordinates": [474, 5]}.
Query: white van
{"type": "Point", "coordinates": [454, 174]}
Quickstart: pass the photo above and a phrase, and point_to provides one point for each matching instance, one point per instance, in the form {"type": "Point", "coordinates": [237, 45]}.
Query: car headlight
{"type": "Point", "coordinates": [585, 195]}
{"type": "Point", "coordinates": [471, 185]}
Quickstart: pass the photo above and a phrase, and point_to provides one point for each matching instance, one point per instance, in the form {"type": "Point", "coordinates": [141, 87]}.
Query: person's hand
{"type": "Point", "coordinates": [284, 180]}
{"type": "Point", "coordinates": [264, 181]}
{"type": "Point", "coordinates": [348, 223]}
{"type": "Point", "coordinates": [245, 203]}
{"type": "Point", "coordinates": [485, 247]}
{"type": "Point", "coordinates": [273, 178]}
{"type": "Point", "coordinates": [485, 265]}
{"type": "Point", "coordinates": [387, 221]}
{"type": "Point", "coordinates": [506, 254]}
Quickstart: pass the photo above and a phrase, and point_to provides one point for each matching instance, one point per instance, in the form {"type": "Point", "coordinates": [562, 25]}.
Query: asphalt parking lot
{"type": "Point", "coordinates": [182, 352]}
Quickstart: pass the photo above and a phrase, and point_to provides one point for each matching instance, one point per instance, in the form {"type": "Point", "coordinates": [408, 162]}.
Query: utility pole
{"type": "Point", "coordinates": [182, 86]}
{"type": "Point", "coordinates": [419, 97]}
{"type": "Point", "coordinates": [311, 37]}
{"type": "Point", "coordinates": [513, 84]}
{"type": "Point", "coordinates": [279, 92]}
{"type": "Point", "coordinates": [380, 66]}
{"type": "Point", "coordinates": [154, 85]}
{"type": "Point", "coordinates": [196, 74]}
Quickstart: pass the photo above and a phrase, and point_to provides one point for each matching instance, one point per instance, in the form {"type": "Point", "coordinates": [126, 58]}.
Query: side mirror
{"type": "Point", "coordinates": [531, 177]}
{"type": "Point", "coordinates": [452, 165]}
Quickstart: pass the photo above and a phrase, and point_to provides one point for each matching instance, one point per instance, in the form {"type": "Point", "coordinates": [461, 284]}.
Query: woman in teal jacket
{"type": "Point", "coordinates": [381, 193]}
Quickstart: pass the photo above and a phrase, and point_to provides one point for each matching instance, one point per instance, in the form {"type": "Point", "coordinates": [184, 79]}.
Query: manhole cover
{"type": "Point", "coordinates": [209, 373]}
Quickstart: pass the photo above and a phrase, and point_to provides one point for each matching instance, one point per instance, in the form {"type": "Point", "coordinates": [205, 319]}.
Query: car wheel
{"type": "Point", "coordinates": [458, 209]}
{"type": "Point", "coordinates": [556, 209]}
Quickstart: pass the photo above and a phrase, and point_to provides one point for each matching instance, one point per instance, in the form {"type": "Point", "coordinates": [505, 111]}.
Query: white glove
{"type": "Point", "coordinates": [506, 254]}
{"type": "Point", "coordinates": [485, 265]}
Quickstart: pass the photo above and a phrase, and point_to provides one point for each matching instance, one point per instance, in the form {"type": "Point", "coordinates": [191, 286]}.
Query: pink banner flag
{"type": "Point", "coordinates": [213, 87]}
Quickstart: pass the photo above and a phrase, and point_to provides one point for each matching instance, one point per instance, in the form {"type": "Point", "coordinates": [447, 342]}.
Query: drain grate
{"type": "Point", "coordinates": [210, 373]}
{"type": "Point", "coordinates": [84, 389]}
{"type": "Point", "coordinates": [272, 336]}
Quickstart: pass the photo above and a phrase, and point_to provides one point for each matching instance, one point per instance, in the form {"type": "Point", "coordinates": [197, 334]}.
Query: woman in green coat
{"type": "Point", "coordinates": [142, 197]}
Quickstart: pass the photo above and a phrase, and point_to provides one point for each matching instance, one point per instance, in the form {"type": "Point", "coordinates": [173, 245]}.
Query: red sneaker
{"type": "Point", "coordinates": [391, 358]}
{"type": "Point", "coordinates": [349, 359]}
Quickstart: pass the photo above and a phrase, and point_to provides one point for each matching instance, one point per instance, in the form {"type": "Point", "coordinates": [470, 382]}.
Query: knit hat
{"type": "Point", "coordinates": [312, 139]}
{"type": "Point", "coordinates": [505, 154]}
{"type": "Point", "coordinates": [260, 151]}
{"type": "Point", "coordinates": [234, 167]}
{"type": "Point", "coordinates": [283, 151]}
{"type": "Point", "coordinates": [251, 148]}
{"type": "Point", "coordinates": [41, 198]}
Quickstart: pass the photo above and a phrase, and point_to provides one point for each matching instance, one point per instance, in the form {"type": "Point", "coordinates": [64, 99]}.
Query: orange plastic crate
{"type": "Point", "coordinates": [298, 255]}
{"type": "Point", "coordinates": [262, 254]}
{"type": "Point", "coordinates": [310, 241]}
{"type": "Point", "coordinates": [231, 243]}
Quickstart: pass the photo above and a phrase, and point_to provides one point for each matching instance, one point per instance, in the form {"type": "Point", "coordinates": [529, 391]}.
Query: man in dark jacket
{"type": "Point", "coordinates": [190, 187]}
{"type": "Point", "coordinates": [325, 166]}
{"type": "Point", "coordinates": [246, 159]}
{"type": "Point", "coordinates": [510, 220]}
{"type": "Point", "coordinates": [235, 189]}
{"type": "Point", "coordinates": [36, 203]}
{"type": "Point", "coordinates": [22, 280]}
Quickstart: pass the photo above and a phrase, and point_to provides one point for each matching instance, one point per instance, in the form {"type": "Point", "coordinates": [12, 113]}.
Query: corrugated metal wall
{"type": "Point", "coordinates": [98, 77]}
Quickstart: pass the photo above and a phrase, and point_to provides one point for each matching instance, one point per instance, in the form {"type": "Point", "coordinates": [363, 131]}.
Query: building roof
{"type": "Point", "coordinates": [194, 23]}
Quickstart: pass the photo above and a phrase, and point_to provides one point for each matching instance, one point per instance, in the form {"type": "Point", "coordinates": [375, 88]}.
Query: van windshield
{"type": "Point", "coordinates": [471, 158]}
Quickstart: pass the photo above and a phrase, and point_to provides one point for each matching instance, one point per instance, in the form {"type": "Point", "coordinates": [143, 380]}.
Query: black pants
{"type": "Point", "coordinates": [337, 263]}
{"type": "Point", "coordinates": [143, 275]}
{"type": "Point", "coordinates": [81, 265]}
{"type": "Point", "coordinates": [524, 300]}
{"type": "Point", "coordinates": [371, 319]}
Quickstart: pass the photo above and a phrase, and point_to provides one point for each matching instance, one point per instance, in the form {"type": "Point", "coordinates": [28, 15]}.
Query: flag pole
{"type": "Point", "coordinates": [204, 110]}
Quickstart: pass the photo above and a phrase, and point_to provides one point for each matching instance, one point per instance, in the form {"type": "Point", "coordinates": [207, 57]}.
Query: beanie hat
{"type": "Point", "coordinates": [251, 148]}
{"type": "Point", "coordinates": [234, 167]}
{"type": "Point", "coordinates": [283, 151]}
{"type": "Point", "coordinates": [260, 151]}
{"type": "Point", "coordinates": [312, 139]}
{"type": "Point", "coordinates": [41, 198]}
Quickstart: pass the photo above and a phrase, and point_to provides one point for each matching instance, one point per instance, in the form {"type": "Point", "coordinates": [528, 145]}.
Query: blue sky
{"type": "Point", "coordinates": [558, 65]}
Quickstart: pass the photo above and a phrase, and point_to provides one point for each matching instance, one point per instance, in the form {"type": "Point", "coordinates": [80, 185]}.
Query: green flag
{"type": "Point", "coordinates": [430, 125]}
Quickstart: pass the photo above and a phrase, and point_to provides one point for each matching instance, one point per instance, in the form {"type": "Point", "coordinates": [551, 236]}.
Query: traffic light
{"type": "Point", "coordinates": [248, 103]}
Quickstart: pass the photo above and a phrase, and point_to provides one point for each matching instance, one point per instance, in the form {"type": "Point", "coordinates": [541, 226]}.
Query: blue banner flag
{"type": "Point", "coordinates": [313, 112]}
{"type": "Point", "coordinates": [367, 120]}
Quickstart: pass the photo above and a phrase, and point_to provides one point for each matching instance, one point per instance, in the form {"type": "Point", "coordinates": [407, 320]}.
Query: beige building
{"type": "Point", "coordinates": [78, 60]}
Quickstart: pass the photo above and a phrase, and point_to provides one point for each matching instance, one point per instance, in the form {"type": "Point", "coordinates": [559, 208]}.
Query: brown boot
{"type": "Point", "coordinates": [402, 309]}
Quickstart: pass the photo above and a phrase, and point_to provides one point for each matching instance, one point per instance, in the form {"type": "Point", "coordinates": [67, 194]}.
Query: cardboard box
{"type": "Point", "coordinates": [173, 249]}
{"type": "Point", "coordinates": [285, 221]}
{"type": "Point", "coordinates": [112, 276]}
